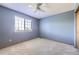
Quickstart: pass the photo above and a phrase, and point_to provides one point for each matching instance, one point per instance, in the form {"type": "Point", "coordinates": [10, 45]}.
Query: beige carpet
{"type": "Point", "coordinates": [39, 47]}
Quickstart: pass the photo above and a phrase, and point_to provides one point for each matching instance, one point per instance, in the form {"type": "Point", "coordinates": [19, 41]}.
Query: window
{"type": "Point", "coordinates": [28, 24]}
{"type": "Point", "coordinates": [22, 24]}
{"type": "Point", "coordinates": [19, 23]}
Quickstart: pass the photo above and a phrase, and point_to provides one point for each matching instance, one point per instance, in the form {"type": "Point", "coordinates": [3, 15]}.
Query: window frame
{"type": "Point", "coordinates": [21, 22]}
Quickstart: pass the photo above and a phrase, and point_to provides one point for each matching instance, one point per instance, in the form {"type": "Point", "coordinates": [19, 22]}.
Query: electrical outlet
{"type": "Point", "coordinates": [10, 40]}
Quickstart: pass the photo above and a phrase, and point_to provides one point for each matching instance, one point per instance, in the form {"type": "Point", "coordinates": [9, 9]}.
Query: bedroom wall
{"type": "Point", "coordinates": [8, 35]}
{"type": "Point", "coordinates": [58, 27]}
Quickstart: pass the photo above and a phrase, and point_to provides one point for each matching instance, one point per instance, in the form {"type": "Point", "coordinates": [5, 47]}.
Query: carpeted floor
{"type": "Point", "coordinates": [39, 46]}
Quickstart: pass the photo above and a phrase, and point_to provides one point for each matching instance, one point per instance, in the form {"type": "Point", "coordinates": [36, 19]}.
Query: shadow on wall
{"type": "Point", "coordinates": [58, 27]}
{"type": "Point", "coordinates": [8, 35]}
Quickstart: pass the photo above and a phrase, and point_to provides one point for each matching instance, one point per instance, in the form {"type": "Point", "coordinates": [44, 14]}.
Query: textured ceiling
{"type": "Point", "coordinates": [49, 8]}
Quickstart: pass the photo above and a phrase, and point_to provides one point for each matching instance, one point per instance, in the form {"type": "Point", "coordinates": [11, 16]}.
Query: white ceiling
{"type": "Point", "coordinates": [50, 8]}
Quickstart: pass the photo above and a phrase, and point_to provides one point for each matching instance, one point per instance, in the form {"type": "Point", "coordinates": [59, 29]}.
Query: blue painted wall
{"type": "Point", "coordinates": [58, 27]}
{"type": "Point", "coordinates": [7, 29]}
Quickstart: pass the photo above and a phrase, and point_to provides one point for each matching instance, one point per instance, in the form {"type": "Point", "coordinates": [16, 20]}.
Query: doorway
{"type": "Point", "coordinates": [77, 14]}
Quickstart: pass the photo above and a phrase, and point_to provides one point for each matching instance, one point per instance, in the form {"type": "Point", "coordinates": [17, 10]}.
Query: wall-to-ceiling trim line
{"type": "Point", "coordinates": [17, 11]}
